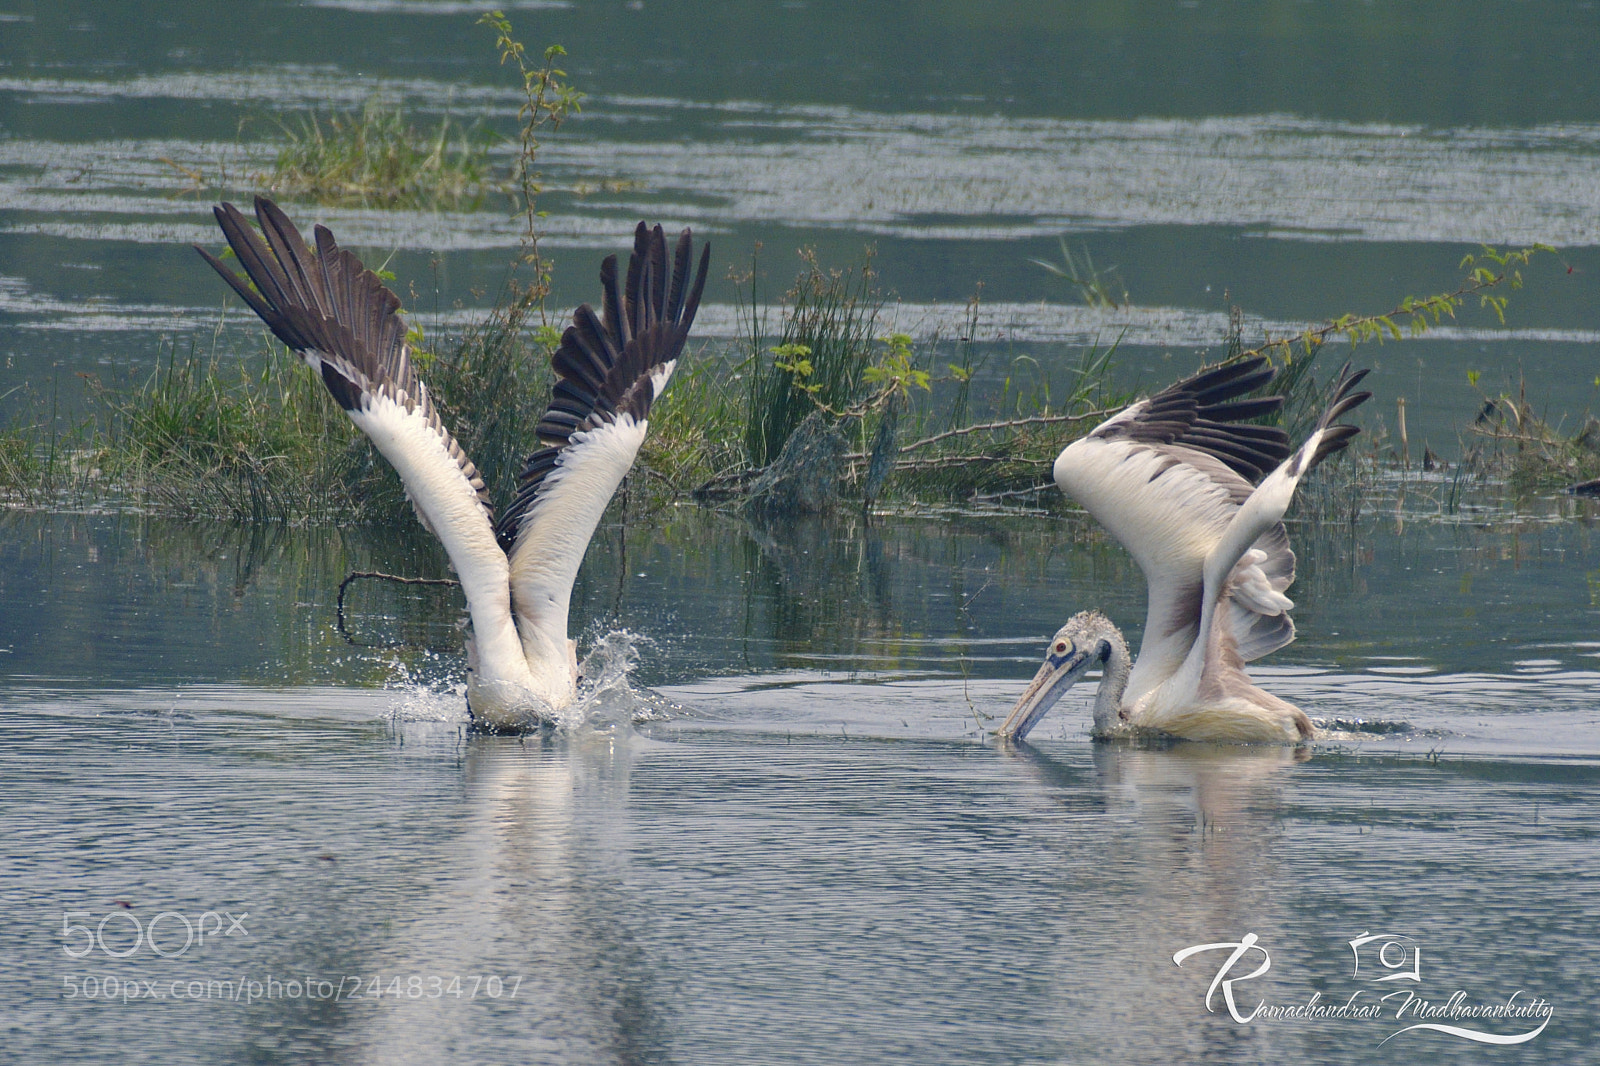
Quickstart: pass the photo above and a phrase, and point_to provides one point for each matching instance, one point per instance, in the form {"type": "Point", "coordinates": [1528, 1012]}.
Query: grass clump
{"type": "Point", "coordinates": [262, 440]}
{"type": "Point", "coordinates": [259, 441]}
{"type": "Point", "coordinates": [696, 428]}
{"type": "Point", "coordinates": [42, 461]}
{"type": "Point", "coordinates": [831, 354]}
{"type": "Point", "coordinates": [377, 158]}
{"type": "Point", "coordinates": [19, 465]}
{"type": "Point", "coordinates": [1512, 441]}
{"type": "Point", "coordinates": [825, 341]}
{"type": "Point", "coordinates": [1097, 287]}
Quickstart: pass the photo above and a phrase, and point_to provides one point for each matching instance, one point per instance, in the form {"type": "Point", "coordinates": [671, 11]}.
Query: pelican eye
{"type": "Point", "coordinates": [1061, 647]}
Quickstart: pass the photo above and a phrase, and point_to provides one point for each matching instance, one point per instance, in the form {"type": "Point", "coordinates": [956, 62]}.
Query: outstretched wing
{"type": "Point", "coordinates": [1165, 477]}
{"type": "Point", "coordinates": [1203, 413]}
{"type": "Point", "coordinates": [347, 326]}
{"type": "Point", "coordinates": [1263, 511]}
{"type": "Point", "coordinates": [609, 370]}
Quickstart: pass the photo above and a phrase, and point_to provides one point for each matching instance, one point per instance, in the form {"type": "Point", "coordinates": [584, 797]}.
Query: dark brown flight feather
{"type": "Point", "coordinates": [604, 363]}
{"type": "Point", "coordinates": [326, 304]}
{"type": "Point", "coordinates": [1336, 436]}
{"type": "Point", "coordinates": [1202, 412]}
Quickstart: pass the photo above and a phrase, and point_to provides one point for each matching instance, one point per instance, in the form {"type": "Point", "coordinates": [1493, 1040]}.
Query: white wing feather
{"type": "Point", "coordinates": [554, 535]}
{"type": "Point", "coordinates": [1169, 506]}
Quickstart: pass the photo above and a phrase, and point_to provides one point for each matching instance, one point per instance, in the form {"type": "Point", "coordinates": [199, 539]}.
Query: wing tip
{"type": "Point", "coordinates": [1333, 436]}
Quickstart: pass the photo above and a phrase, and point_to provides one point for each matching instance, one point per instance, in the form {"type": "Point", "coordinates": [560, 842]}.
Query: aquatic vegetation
{"type": "Point", "coordinates": [42, 462]}
{"type": "Point", "coordinates": [827, 350]}
{"type": "Point", "coordinates": [832, 356]}
{"type": "Point", "coordinates": [19, 464]}
{"type": "Point", "coordinates": [697, 428]}
{"type": "Point", "coordinates": [378, 158]}
{"type": "Point", "coordinates": [260, 441]}
{"type": "Point", "coordinates": [1098, 287]}
{"type": "Point", "coordinates": [204, 437]}
{"type": "Point", "coordinates": [1007, 456]}
{"type": "Point", "coordinates": [1513, 442]}
{"type": "Point", "coordinates": [826, 335]}
{"type": "Point", "coordinates": [257, 439]}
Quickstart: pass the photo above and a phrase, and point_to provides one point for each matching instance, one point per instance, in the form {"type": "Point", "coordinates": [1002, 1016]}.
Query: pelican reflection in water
{"type": "Point", "coordinates": [1182, 480]}
{"type": "Point", "coordinates": [517, 572]}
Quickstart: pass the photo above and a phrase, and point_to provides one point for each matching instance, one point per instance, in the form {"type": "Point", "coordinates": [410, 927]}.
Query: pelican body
{"type": "Point", "coordinates": [517, 571]}
{"type": "Point", "coordinates": [1197, 496]}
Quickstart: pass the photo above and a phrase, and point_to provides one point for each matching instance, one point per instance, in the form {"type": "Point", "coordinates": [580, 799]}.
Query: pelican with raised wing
{"type": "Point", "coordinates": [1182, 481]}
{"type": "Point", "coordinates": [517, 572]}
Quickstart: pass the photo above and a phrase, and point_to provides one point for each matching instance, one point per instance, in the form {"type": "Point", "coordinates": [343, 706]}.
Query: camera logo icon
{"type": "Point", "coordinates": [1396, 957]}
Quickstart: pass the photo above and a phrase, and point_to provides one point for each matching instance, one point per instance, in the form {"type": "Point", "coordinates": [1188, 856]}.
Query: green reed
{"type": "Point", "coordinates": [378, 158]}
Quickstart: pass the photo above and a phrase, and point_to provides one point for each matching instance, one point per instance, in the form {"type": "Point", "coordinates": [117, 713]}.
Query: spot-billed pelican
{"type": "Point", "coordinates": [517, 572]}
{"type": "Point", "coordinates": [1175, 479]}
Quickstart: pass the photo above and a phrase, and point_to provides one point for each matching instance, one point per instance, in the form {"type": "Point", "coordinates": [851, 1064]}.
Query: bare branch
{"type": "Point", "coordinates": [1037, 420]}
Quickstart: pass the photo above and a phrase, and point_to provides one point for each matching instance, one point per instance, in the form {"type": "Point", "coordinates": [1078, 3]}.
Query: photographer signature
{"type": "Point", "coordinates": [1389, 957]}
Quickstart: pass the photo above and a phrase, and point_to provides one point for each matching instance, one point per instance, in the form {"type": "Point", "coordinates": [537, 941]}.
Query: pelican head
{"type": "Point", "coordinates": [1088, 639]}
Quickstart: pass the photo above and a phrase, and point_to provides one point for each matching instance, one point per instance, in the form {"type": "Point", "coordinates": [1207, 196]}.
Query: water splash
{"type": "Point", "coordinates": [425, 699]}
{"type": "Point", "coordinates": [425, 702]}
{"type": "Point", "coordinates": [606, 699]}
{"type": "Point", "coordinates": [1329, 729]}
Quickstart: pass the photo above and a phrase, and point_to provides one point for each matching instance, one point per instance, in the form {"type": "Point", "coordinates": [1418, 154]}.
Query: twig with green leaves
{"type": "Point", "coordinates": [1418, 313]}
{"type": "Point", "coordinates": [548, 100]}
{"type": "Point", "coordinates": [1490, 269]}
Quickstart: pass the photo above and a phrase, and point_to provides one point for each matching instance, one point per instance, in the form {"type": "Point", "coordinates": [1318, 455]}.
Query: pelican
{"type": "Point", "coordinates": [517, 572]}
{"type": "Point", "coordinates": [1178, 479]}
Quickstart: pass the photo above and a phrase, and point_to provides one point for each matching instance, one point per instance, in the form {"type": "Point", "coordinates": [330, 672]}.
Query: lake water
{"type": "Point", "coordinates": [808, 849]}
